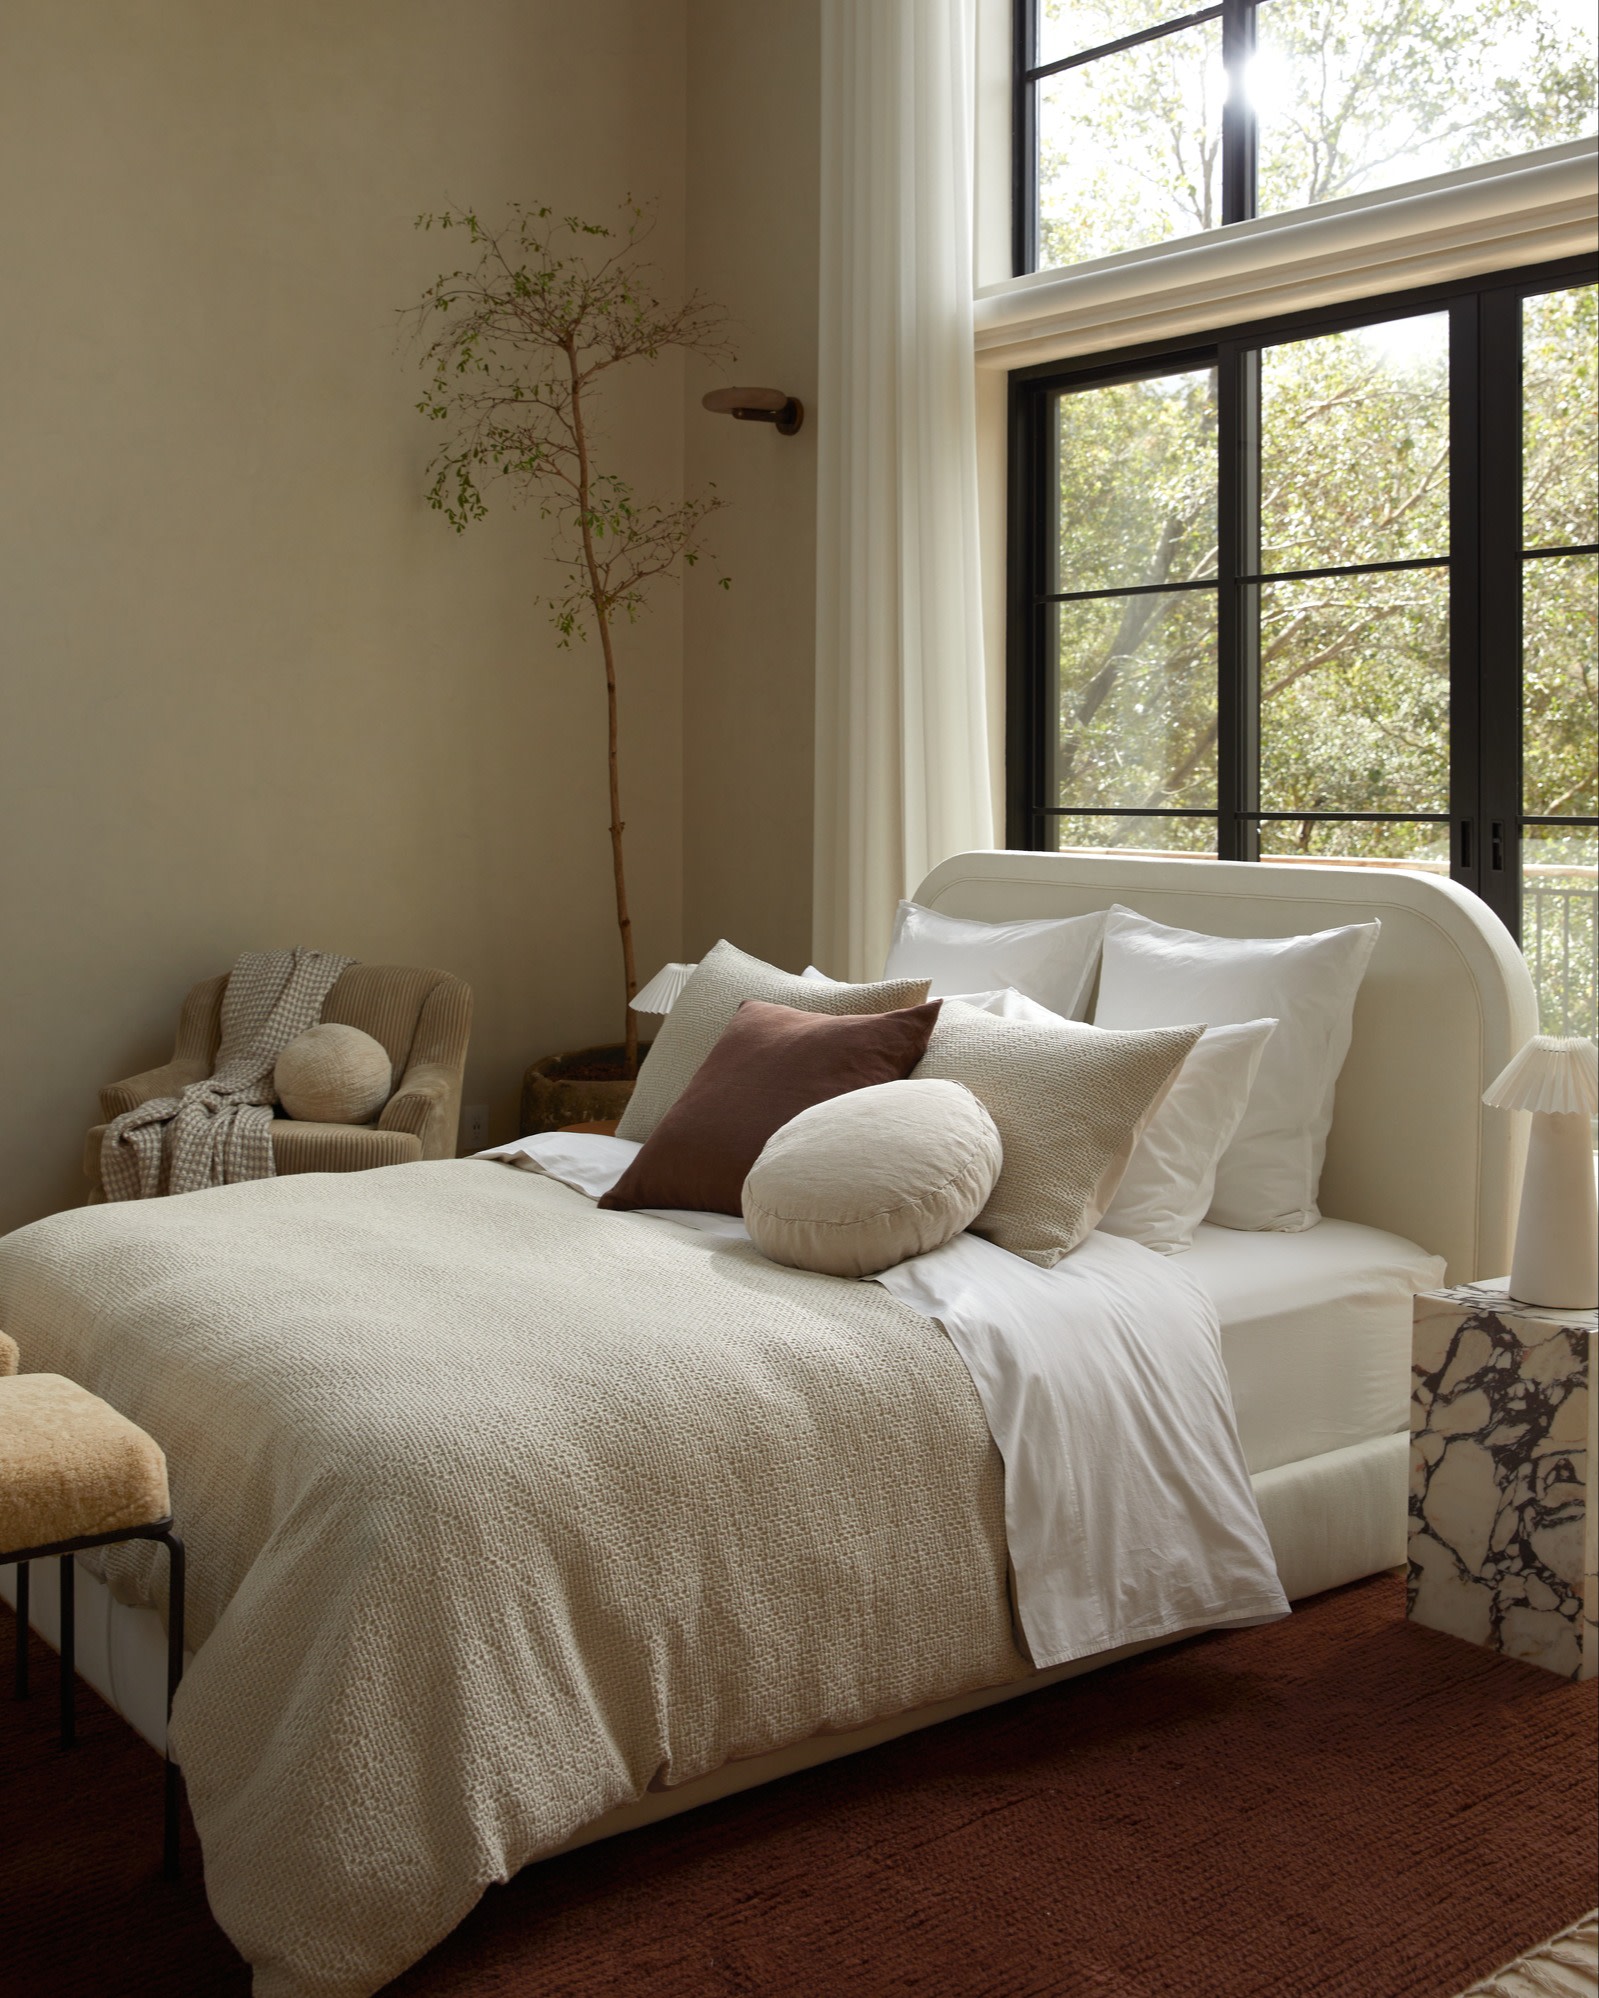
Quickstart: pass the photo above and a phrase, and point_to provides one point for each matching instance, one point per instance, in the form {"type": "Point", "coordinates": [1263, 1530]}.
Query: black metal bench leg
{"type": "Point", "coordinates": [22, 1630]}
{"type": "Point", "coordinates": [69, 1652]}
{"type": "Point", "coordinates": [175, 1593]}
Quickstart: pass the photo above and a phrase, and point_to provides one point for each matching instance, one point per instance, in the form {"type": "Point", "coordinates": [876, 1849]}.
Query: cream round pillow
{"type": "Point", "coordinates": [860, 1182]}
{"type": "Point", "coordinates": [333, 1075]}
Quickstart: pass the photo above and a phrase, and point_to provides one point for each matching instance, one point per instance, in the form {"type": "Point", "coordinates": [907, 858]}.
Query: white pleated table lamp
{"type": "Point", "coordinates": [1556, 1261]}
{"type": "Point", "coordinates": [661, 993]}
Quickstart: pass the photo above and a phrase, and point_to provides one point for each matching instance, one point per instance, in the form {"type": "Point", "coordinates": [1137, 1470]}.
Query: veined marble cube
{"type": "Point", "coordinates": [1504, 1538]}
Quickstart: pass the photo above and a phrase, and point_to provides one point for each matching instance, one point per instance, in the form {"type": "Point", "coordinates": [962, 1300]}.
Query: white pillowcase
{"type": "Point", "coordinates": [1052, 962]}
{"type": "Point", "coordinates": [1167, 1188]}
{"type": "Point", "coordinates": [1007, 1004]}
{"type": "Point", "coordinates": [1154, 976]}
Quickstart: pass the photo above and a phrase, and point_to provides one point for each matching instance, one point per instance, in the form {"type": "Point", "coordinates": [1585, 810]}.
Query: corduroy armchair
{"type": "Point", "coordinates": [424, 1021]}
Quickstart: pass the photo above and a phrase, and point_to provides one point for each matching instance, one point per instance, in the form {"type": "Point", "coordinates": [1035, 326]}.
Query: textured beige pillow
{"type": "Point", "coordinates": [1070, 1102]}
{"type": "Point", "coordinates": [706, 1005]}
{"type": "Point", "coordinates": [333, 1075]}
{"type": "Point", "coordinates": [859, 1183]}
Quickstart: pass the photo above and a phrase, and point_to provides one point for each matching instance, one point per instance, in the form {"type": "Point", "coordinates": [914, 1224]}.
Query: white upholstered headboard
{"type": "Point", "coordinates": [1445, 1004]}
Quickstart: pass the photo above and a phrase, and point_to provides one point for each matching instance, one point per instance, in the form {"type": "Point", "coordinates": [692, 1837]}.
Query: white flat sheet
{"type": "Point", "coordinates": [1128, 1509]}
{"type": "Point", "coordinates": [1315, 1332]}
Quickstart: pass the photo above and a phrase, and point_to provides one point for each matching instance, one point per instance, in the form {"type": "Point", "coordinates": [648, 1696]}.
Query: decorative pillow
{"type": "Point", "coordinates": [770, 1064]}
{"type": "Point", "coordinates": [863, 1182]}
{"type": "Point", "coordinates": [1151, 976]}
{"type": "Point", "coordinates": [1170, 1179]}
{"type": "Point", "coordinates": [333, 1075]}
{"type": "Point", "coordinates": [1008, 1003]}
{"type": "Point", "coordinates": [1051, 961]}
{"type": "Point", "coordinates": [710, 999]}
{"type": "Point", "coordinates": [1070, 1102]}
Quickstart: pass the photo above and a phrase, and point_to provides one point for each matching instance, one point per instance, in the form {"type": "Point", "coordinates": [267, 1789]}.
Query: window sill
{"type": "Point", "coordinates": [1511, 212]}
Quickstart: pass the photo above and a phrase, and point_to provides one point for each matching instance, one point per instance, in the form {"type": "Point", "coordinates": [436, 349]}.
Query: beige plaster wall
{"type": "Point", "coordinates": [753, 186]}
{"type": "Point", "coordinates": [252, 693]}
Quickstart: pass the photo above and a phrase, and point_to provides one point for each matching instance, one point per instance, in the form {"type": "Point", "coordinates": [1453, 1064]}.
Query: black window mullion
{"type": "Point", "coordinates": [1237, 611]}
{"type": "Point", "coordinates": [1468, 840]}
{"type": "Point", "coordinates": [1027, 667]}
{"type": "Point", "coordinates": [1024, 139]}
{"type": "Point", "coordinates": [1498, 509]}
{"type": "Point", "coordinates": [1238, 121]}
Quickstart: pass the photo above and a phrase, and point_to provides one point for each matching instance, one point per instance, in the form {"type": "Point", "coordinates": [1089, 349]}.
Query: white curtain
{"type": "Point", "coordinates": [902, 776]}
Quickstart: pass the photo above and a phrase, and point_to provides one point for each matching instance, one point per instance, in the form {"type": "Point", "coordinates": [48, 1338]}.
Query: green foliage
{"type": "Point", "coordinates": [1351, 94]}
{"type": "Point", "coordinates": [513, 346]}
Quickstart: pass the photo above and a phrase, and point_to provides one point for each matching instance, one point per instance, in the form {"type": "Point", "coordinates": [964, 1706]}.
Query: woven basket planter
{"type": "Point", "coordinates": [553, 1096]}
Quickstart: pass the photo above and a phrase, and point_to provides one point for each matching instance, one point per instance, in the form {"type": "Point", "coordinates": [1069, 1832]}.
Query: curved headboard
{"type": "Point", "coordinates": [1445, 1004]}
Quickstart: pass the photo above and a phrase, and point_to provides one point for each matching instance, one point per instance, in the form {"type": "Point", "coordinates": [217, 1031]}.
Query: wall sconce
{"type": "Point", "coordinates": [758, 405]}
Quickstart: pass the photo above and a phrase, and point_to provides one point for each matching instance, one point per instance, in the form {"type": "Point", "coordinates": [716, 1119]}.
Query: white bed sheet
{"type": "Point", "coordinates": [1315, 1332]}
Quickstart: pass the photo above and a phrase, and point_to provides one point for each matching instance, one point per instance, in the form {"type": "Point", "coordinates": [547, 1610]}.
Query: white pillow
{"type": "Point", "coordinates": [868, 1179]}
{"type": "Point", "coordinates": [1154, 976]}
{"type": "Point", "coordinates": [1006, 1004]}
{"type": "Point", "coordinates": [1052, 962]}
{"type": "Point", "coordinates": [1167, 1188]}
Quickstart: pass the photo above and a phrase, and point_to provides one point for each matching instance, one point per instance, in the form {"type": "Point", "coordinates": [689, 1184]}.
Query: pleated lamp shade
{"type": "Point", "coordinates": [1550, 1073]}
{"type": "Point", "coordinates": [662, 992]}
{"type": "Point", "coordinates": [1556, 1259]}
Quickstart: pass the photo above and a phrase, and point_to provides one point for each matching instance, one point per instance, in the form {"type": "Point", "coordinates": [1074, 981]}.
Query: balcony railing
{"type": "Point", "coordinates": [1559, 906]}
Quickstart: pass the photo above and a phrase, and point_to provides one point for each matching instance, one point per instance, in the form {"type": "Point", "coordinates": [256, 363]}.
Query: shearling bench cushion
{"type": "Point", "coordinates": [70, 1466]}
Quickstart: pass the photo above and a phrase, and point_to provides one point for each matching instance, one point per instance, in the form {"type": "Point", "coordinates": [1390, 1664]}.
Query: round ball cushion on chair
{"type": "Point", "coordinates": [860, 1182]}
{"type": "Point", "coordinates": [333, 1075]}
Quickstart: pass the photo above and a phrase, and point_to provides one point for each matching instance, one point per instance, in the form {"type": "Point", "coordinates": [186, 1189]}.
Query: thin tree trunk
{"type": "Point", "coordinates": [624, 921]}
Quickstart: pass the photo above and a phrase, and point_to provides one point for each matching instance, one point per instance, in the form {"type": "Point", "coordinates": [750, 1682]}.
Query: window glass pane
{"type": "Point", "coordinates": [1354, 446]}
{"type": "Point", "coordinates": [1070, 27]}
{"type": "Point", "coordinates": [1129, 148]}
{"type": "Point", "coordinates": [1136, 701]}
{"type": "Point", "coordinates": [1137, 483]}
{"type": "Point", "coordinates": [1559, 876]}
{"type": "Point", "coordinates": [1409, 843]}
{"type": "Point", "coordinates": [1359, 94]}
{"type": "Point", "coordinates": [1174, 836]}
{"type": "Point", "coordinates": [1560, 686]}
{"type": "Point", "coordinates": [1354, 694]}
{"type": "Point", "coordinates": [1560, 419]}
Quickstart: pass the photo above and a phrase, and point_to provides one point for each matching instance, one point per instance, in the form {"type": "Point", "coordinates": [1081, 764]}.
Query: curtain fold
{"type": "Point", "coordinates": [902, 774]}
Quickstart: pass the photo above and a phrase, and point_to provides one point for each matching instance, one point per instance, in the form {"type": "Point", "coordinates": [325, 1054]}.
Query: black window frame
{"type": "Point", "coordinates": [1239, 126]}
{"type": "Point", "coordinates": [1485, 560]}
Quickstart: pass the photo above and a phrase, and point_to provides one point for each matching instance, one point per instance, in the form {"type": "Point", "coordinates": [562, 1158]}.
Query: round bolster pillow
{"type": "Point", "coordinates": [863, 1181]}
{"type": "Point", "coordinates": [333, 1075]}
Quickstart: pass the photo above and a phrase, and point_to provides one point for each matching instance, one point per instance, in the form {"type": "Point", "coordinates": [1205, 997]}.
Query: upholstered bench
{"type": "Point", "coordinates": [75, 1474]}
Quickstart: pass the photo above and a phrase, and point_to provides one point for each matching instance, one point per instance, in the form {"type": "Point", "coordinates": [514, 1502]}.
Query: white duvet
{"type": "Point", "coordinates": [1129, 1512]}
{"type": "Point", "coordinates": [502, 1509]}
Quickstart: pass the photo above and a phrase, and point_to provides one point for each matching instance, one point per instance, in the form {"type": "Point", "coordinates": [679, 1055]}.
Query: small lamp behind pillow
{"type": "Point", "coordinates": [868, 1179]}
{"type": "Point", "coordinates": [333, 1075]}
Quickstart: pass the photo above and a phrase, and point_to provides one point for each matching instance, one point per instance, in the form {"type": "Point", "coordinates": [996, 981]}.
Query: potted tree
{"type": "Point", "coordinates": [516, 346]}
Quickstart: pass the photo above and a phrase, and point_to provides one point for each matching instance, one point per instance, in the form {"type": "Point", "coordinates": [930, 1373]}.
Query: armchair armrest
{"type": "Point", "coordinates": [170, 1079]}
{"type": "Point", "coordinates": [427, 1104]}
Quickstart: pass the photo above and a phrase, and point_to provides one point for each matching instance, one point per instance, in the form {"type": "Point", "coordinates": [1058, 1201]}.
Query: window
{"type": "Point", "coordinates": [1325, 590]}
{"type": "Point", "coordinates": [1135, 121]}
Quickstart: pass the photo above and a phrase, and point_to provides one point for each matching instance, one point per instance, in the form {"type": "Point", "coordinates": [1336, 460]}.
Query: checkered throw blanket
{"type": "Point", "coordinates": [220, 1130]}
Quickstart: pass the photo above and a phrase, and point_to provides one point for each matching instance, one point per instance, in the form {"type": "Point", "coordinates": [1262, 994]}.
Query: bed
{"type": "Point", "coordinates": [1418, 1188]}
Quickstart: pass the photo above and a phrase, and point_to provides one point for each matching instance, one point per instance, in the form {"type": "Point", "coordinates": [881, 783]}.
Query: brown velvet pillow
{"type": "Point", "coordinates": [771, 1063]}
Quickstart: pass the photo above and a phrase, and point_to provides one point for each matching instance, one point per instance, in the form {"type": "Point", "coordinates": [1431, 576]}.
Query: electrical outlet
{"type": "Point", "coordinates": [475, 1127]}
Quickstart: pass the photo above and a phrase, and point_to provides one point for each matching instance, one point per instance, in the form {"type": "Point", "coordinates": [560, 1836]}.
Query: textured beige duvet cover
{"type": "Point", "coordinates": [501, 1509]}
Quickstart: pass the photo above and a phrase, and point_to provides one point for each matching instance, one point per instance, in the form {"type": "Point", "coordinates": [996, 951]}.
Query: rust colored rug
{"type": "Point", "coordinates": [1339, 1804]}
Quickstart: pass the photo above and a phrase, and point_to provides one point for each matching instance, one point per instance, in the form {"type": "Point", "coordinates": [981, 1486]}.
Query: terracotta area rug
{"type": "Point", "coordinates": [1339, 1804]}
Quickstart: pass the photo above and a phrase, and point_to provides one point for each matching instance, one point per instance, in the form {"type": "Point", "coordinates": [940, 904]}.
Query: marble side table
{"type": "Point", "coordinates": [1504, 1531]}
